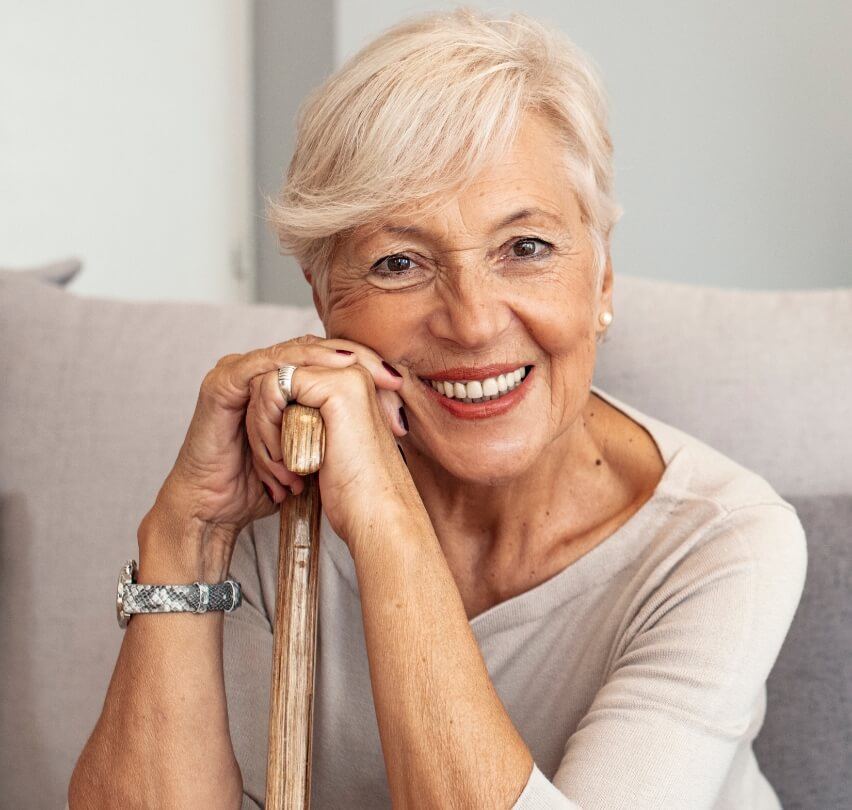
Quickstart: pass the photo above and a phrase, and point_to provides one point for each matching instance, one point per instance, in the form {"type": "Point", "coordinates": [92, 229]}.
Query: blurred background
{"type": "Point", "coordinates": [141, 137]}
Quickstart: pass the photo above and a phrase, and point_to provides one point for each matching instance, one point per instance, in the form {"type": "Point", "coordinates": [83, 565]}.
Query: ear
{"type": "Point", "coordinates": [606, 286]}
{"type": "Point", "coordinates": [605, 299]}
{"type": "Point", "coordinates": [318, 305]}
{"type": "Point", "coordinates": [317, 301]}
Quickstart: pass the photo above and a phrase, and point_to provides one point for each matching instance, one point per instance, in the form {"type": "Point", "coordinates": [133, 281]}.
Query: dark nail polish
{"type": "Point", "coordinates": [391, 369]}
{"type": "Point", "coordinates": [343, 351]}
{"type": "Point", "coordinates": [402, 418]}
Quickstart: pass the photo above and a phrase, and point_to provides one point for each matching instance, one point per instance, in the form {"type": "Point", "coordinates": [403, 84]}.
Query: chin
{"type": "Point", "coordinates": [486, 464]}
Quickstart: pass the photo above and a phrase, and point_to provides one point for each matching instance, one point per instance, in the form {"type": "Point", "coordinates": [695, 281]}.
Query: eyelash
{"type": "Point", "coordinates": [376, 268]}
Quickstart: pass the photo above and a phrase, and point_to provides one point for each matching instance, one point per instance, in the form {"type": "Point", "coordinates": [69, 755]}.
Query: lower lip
{"type": "Point", "coordinates": [482, 410]}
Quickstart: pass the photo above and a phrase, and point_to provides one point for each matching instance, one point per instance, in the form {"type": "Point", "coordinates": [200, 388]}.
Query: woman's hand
{"type": "Point", "coordinates": [232, 451]}
{"type": "Point", "coordinates": [363, 473]}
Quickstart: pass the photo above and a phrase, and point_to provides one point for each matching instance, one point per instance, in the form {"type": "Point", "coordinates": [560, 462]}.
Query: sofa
{"type": "Point", "coordinates": [97, 394]}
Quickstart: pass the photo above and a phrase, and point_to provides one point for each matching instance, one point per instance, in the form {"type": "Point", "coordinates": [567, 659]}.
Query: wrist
{"type": "Point", "coordinates": [176, 549]}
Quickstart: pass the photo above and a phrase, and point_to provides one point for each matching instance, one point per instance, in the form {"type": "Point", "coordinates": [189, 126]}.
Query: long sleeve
{"type": "Point", "coordinates": [541, 794]}
{"type": "Point", "coordinates": [685, 692]}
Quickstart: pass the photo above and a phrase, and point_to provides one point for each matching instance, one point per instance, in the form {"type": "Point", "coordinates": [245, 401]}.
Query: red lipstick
{"type": "Point", "coordinates": [466, 373]}
{"type": "Point", "coordinates": [481, 410]}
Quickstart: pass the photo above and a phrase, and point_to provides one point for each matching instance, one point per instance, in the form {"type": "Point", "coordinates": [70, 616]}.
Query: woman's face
{"type": "Point", "coordinates": [446, 296]}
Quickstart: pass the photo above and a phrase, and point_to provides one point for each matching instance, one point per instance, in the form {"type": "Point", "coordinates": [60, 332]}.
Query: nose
{"type": "Point", "coordinates": [470, 312]}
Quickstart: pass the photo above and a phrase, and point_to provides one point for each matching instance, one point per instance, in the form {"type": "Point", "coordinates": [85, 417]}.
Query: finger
{"type": "Point", "coordinates": [337, 393]}
{"type": "Point", "coordinates": [232, 375]}
{"type": "Point", "coordinates": [391, 403]}
{"type": "Point", "coordinates": [271, 402]}
{"type": "Point", "coordinates": [274, 488]}
{"type": "Point", "coordinates": [384, 373]}
{"type": "Point", "coordinates": [262, 438]}
{"type": "Point", "coordinates": [269, 435]}
{"type": "Point", "coordinates": [265, 408]}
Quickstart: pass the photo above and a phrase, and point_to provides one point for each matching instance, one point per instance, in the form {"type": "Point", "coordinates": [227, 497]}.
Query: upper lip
{"type": "Point", "coordinates": [460, 373]}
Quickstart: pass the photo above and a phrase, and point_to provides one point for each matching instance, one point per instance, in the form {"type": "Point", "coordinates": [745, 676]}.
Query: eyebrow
{"type": "Point", "coordinates": [523, 213]}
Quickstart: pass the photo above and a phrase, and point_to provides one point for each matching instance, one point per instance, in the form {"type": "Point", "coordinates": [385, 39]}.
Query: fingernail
{"type": "Point", "coordinates": [402, 418]}
{"type": "Point", "coordinates": [343, 351]}
{"type": "Point", "coordinates": [391, 369]}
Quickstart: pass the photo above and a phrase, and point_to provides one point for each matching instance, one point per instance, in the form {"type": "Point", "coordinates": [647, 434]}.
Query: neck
{"type": "Point", "coordinates": [494, 528]}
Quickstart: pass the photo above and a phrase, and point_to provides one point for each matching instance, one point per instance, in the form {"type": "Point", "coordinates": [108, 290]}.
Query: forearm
{"type": "Point", "coordinates": [162, 739]}
{"type": "Point", "coordinates": [446, 737]}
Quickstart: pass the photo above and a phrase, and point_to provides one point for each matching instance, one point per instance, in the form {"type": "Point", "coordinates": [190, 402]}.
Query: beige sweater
{"type": "Point", "coordinates": [636, 675]}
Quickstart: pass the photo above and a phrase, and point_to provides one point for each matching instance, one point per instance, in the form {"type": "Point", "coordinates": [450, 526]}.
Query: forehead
{"type": "Point", "coordinates": [529, 182]}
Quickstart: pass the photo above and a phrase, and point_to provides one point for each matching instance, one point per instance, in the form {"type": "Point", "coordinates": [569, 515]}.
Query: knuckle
{"type": "Point", "coordinates": [304, 339]}
{"type": "Point", "coordinates": [211, 380]}
{"type": "Point", "coordinates": [357, 376]}
{"type": "Point", "coordinates": [226, 359]}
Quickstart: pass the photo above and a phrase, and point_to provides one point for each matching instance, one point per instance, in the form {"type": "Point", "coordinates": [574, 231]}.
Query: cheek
{"type": "Point", "coordinates": [373, 318]}
{"type": "Point", "coordinates": [559, 321]}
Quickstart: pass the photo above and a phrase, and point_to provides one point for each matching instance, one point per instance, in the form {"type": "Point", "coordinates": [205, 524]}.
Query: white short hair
{"type": "Point", "coordinates": [423, 107]}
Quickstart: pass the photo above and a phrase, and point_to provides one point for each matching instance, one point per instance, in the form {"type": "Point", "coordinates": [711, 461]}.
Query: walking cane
{"type": "Point", "coordinates": [291, 699]}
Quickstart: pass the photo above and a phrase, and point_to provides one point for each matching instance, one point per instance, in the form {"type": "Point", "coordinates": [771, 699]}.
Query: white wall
{"type": "Point", "coordinates": [125, 140]}
{"type": "Point", "coordinates": [732, 124]}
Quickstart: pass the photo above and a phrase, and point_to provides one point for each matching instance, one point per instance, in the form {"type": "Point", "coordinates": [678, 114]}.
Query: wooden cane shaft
{"type": "Point", "coordinates": [288, 772]}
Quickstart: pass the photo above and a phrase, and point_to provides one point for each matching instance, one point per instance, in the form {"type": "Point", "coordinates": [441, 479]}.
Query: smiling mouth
{"type": "Point", "coordinates": [473, 391]}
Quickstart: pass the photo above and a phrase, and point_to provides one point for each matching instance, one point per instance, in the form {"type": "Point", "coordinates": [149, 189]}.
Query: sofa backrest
{"type": "Point", "coordinates": [96, 395]}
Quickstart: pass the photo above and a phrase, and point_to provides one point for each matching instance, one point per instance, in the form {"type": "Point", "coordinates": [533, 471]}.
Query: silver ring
{"type": "Point", "coordinates": [285, 379]}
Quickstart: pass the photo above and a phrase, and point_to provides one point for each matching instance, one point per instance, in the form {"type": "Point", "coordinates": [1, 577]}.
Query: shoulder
{"type": "Point", "coordinates": [724, 583]}
{"type": "Point", "coordinates": [747, 522]}
{"type": "Point", "coordinates": [715, 608]}
{"type": "Point", "coordinates": [727, 553]}
{"type": "Point", "coordinates": [738, 525]}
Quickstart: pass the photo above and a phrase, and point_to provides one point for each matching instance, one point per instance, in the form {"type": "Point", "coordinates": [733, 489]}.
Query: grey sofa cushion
{"type": "Point", "coordinates": [805, 745]}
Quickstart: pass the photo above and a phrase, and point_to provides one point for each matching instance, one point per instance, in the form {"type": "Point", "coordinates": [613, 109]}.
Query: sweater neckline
{"type": "Point", "coordinates": [596, 566]}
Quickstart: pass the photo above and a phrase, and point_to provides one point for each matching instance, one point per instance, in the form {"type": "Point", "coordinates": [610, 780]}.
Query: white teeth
{"type": "Point", "coordinates": [480, 390]}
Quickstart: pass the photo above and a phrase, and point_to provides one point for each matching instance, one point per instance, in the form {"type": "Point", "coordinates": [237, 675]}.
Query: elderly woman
{"type": "Point", "coordinates": [548, 599]}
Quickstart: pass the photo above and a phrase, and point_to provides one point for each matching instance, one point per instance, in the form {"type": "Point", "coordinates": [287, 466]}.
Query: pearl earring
{"type": "Point", "coordinates": [606, 318]}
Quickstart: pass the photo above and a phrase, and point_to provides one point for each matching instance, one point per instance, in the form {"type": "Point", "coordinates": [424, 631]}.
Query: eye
{"type": "Point", "coordinates": [398, 264]}
{"type": "Point", "coordinates": [525, 248]}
